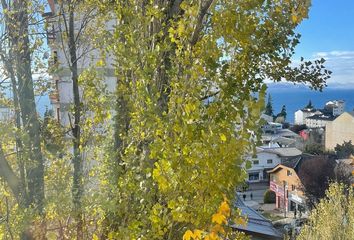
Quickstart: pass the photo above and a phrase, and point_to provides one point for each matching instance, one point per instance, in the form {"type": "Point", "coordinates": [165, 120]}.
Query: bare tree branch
{"type": "Point", "coordinates": [199, 26]}
{"type": "Point", "coordinates": [9, 176]}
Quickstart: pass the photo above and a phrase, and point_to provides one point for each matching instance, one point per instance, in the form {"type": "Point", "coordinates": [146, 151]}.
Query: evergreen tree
{"type": "Point", "coordinates": [283, 112]}
{"type": "Point", "coordinates": [269, 106]}
{"type": "Point", "coordinates": [309, 105]}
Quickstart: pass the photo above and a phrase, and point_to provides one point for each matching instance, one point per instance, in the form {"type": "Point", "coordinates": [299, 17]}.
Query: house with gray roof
{"type": "Point", "coordinates": [267, 158]}
{"type": "Point", "coordinates": [257, 226]}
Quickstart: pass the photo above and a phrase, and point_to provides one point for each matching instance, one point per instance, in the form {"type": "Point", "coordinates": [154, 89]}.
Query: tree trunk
{"type": "Point", "coordinates": [77, 190]}
{"type": "Point", "coordinates": [35, 168]}
{"type": "Point", "coordinates": [19, 145]}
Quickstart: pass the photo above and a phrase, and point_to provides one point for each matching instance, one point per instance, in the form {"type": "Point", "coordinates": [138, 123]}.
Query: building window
{"type": "Point", "coordinates": [289, 173]}
{"type": "Point", "coordinates": [255, 162]}
{"type": "Point", "coordinates": [253, 176]}
{"type": "Point", "coordinates": [269, 161]}
{"type": "Point", "coordinates": [293, 188]}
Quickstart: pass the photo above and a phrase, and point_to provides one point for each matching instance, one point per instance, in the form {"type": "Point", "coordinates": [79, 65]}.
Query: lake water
{"type": "Point", "coordinates": [296, 97]}
{"type": "Point", "coordinates": [293, 97]}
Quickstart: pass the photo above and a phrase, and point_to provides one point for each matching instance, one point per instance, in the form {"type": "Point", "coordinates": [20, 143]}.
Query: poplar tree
{"type": "Point", "coordinates": [26, 179]}
{"type": "Point", "coordinates": [333, 217]}
{"type": "Point", "coordinates": [174, 156]}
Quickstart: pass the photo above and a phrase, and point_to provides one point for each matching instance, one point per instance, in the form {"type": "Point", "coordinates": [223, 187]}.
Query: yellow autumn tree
{"type": "Point", "coordinates": [190, 90]}
{"type": "Point", "coordinates": [171, 139]}
{"type": "Point", "coordinates": [333, 217]}
{"type": "Point", "coordinates": [220, 228]}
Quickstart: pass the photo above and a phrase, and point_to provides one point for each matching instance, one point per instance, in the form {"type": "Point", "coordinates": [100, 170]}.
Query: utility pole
{"type": "Point", "coordinates": [284, 203]}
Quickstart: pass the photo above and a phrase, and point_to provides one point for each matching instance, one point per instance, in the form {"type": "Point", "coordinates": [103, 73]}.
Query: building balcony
{"type": "Point", "coordinates": [54, 97]}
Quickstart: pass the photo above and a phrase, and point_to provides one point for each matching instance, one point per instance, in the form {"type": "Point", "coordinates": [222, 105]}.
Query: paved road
{"type": "Point", "coordinates": [257, 191]}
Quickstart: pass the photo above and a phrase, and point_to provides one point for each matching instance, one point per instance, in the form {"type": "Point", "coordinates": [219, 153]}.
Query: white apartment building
{"type": "Point", "coordinates": [266, 159]}
{"type": "Point", "coordinates": [336, 107]}
{"type": "Point", "coordinates": [315, 118]}
{"type": "Point", "coordinates": [318, 121]}
{"type": "Point", "coordinates": [62, 96]}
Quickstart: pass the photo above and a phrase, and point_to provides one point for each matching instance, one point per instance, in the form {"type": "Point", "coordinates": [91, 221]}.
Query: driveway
{"type": "Point", "coordinates": [256, 190]}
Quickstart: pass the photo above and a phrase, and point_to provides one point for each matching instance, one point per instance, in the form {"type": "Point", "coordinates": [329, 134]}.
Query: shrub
{"type": "Point", "coordinates": [269, 197]}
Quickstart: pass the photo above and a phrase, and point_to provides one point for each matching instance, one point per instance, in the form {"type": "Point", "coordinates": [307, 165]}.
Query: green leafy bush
{"type": "Point", "coordinates": [269, 197]}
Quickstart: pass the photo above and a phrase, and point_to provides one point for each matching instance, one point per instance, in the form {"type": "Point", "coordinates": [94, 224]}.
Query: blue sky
{"type": "Point", "coordinates": [329, 33]}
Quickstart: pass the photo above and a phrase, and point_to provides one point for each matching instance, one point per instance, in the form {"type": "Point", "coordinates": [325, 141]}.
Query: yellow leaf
{"type": "Point", "coordinates": [180, 28]}
{"type": "Point", "coordinates": [294, 18]}
{"type": "Point", "coordinates": [225, 208]}
{"type": "Point", "coordinates": [223, 137]}
{"type": "Point", "coordinates": [100, 63]}
{"type": "Point", "coordinates": [218, 229]}
{"type": "Point", "coordinates": [197, 234]}
{"type": "Point", "coordinates": [212, 236]}
{"type": "Point", "coordinates": [188, 235]}
{"type": "Point", "coordinates": [94, 237]}
{"type": "Point", "coordinates": [218, 218]}
{"type": "Point", "coordinates": [240, 221]}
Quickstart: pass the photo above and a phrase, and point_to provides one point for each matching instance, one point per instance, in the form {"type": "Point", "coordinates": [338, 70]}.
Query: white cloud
{"type": "Point", "coordinates": [320, 55]}
{"type": "Point", "coordinates": [341, 63]}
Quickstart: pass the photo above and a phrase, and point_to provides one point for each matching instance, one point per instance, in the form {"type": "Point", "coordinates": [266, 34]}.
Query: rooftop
{"type": "Point", "coordinates": [256, 223]}
{"type": "Point", "coordinates": [283, 152]}
{"type": "Point", "coordinates": [308, 110]}
{"type": "Point", "coordinates": [293, 162]}
{"type": "Point", "coordinates": [280, 133]}
{"type": "Point", "coordinates": [323, 117]}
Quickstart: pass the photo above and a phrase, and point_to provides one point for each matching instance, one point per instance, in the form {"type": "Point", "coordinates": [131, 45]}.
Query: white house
{"type": "Point", "coordinates": [266, 159]}
{"type": "Point", "coordinates": [302, 114]}
{"type": "Point", "coordinates": [272, 127]}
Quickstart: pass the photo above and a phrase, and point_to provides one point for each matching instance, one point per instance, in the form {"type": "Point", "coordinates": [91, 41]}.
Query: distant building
{"type": "Point", "coordinates": [267, 118]}
{"type": "Point", "coordinates": [304, 134]}
{"type": "Point", "coordinates": [284, 137]}
{"type": "Point", "coordinates": [335, 107]}
{"type": "Point", "coordinates": [62, 97]}
{"type": "Point", "coordinates": [272, 127]}
{"type": "Point", "coordinates": [319, 120]}
{"type": "Point", "coordinates": [285, 182]}
{"type": "Point", "coordinates": [5, 113]}
{"type": "Point", "coordinates": [266, 159]}
{"type": "Point", "coordinates": [340, 130]}
{"type": "Point", "coordinates": [302, 114]}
